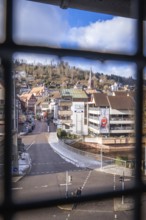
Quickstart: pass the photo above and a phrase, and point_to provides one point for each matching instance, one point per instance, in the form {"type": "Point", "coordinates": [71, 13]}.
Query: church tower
{"type": "Point", "coordinates": [90, 81]}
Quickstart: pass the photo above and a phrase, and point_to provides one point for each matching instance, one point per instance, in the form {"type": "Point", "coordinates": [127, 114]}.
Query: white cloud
{"type": "Point", "coordinates": [116, 35]}
{"type": "Point", "coordinates": [39, 24]}
{"type": "Point", "coordinates": [45, 24]}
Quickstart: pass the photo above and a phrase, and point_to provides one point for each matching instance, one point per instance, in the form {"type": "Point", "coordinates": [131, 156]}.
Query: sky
{"type": "Point", "coordinates": [43, 24]}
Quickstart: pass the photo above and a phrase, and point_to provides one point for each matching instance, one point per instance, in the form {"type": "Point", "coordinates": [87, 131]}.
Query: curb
{"type": "Point", "coordinates": [68, 207]}
{"type": "Point", "coordinates": [15, 179]}
{"type": "Point", "coordinates": [126, 206]}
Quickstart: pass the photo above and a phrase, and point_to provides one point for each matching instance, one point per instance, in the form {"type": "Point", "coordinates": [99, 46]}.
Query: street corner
{"type": "Point", "coordinates": [123, 205]}
{"type": "Point", "coordinates": [15, 179]}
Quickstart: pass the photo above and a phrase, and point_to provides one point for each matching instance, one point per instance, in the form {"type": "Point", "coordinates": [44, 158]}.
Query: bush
{"type": "Point", "coordinates": [61, 133]}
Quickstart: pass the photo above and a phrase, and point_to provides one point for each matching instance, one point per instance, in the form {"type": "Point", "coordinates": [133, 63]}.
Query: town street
{"type": "Point", "coordinates": [47, 179]}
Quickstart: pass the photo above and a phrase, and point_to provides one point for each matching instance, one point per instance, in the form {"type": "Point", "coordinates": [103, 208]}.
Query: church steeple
{"type": "Point", "coordinates": [90, 79]}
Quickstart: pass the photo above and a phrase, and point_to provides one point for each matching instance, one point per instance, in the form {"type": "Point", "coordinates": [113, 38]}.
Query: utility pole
{"type": "Point", "coordinates": [68, 180]}
{"type": "Point", "coordinates": [101, 153]}
{"type": "Point", "coordinates": [123, 186]}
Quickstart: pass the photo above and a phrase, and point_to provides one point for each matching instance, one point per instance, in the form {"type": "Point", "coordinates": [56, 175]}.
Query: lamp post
{"type": "Point", "coordinates": [101, 158]}
{"type": "Point", "coordinates": [123, 186]}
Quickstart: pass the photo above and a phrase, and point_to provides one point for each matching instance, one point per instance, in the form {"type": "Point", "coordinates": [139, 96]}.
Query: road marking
{"type": "Point", "coordinates": [18, 188]}
{"type": "Point", "coordinates": [91, 210]}
{"type": "Point", "coordinates": [45, 186]}
{"type": "Point", "coordinates": [127, 179]}
{"type": "Point", "coordinates": [30, 145]}
{"type": "Point", "coordinates": [86, 179]}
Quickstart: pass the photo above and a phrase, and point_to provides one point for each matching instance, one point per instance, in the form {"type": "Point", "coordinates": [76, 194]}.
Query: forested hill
{"type": "Point", "coordinates": [65, 75]}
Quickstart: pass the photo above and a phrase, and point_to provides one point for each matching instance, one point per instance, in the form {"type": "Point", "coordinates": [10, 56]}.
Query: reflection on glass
{"type": "Point", "coordinates": [2, 20]}
{"type": "Point", "coordinates": [72, 28]}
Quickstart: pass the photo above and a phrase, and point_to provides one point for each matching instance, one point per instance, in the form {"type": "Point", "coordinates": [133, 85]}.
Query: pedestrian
{"type": "Point", "coordinates": [78, 193]}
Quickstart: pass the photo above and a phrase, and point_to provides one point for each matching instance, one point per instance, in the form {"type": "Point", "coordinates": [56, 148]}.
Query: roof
{"type": "Point", "coordinates": [100, 99]}
{"type": "Point", "coordinates": [74, 93]}
{"type": "Point", "coordinates": [37, 89]}
{"type": "Point", "coordinates": [120, 93]}
{"type": "Point", "coordinates": [56, 94]}
{"type": "Point", "coordinates": [90, 91]}
{"type": "Point", "coordinates": [122, 102]}
{"type": "Point", "coordinates": [25, 96]}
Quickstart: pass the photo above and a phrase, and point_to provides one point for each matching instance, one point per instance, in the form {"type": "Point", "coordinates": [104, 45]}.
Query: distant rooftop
{"type": "Point", "coordinates": [74, 93]}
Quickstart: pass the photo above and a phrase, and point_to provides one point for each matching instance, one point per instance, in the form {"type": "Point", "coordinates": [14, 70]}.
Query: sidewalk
{"type": "Point", "coordinates": [123, 204]}
{"type": "Point", "coordinates": [117, 170]}
{"type": "Point", "coordinates": [82, 159]}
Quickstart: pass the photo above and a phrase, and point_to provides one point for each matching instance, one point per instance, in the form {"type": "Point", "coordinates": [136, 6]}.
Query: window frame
{"type": "Point", "coordinates": [7, 48]}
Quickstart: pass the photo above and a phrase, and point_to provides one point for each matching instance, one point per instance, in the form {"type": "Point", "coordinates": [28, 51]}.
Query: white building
{"type": "Point", "coordinates": [111, 115]}
{"type": "Point", "coordinates": [72, 111]}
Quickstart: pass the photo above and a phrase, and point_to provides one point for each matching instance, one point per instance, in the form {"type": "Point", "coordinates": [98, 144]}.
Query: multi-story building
{"type": "Point", "coordinates": [111, 115]}
{"type": "Point", "coordinates": [122, 111]}
{"type": "Point", "coordinates": [72, 111]}
{"type": "Point", "coordinates": [98, 114]}
{"type": "Point", "coordinates": [29, 99]}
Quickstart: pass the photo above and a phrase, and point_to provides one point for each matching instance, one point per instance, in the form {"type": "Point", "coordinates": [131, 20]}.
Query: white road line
{"type": "Point", "coordinates": [86, 179]}
{"type": "Point", "coordinates": [18, 188]}
{"type": "Point", "coordinates": [91, 210]}
{"type": "Point", "coordinates": [30, 145]}
{"type": "Point", "coordinates": [45, 186]}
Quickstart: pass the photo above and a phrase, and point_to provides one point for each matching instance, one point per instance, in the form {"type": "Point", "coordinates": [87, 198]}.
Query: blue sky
{"type": "Point", "coordinates": [43, 24]}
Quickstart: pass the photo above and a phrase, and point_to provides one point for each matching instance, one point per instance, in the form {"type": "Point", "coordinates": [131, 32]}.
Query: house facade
{"type": "Point", "coordinates": [72, 111]}
{"type": "Point", "coordinates": [111, 115]}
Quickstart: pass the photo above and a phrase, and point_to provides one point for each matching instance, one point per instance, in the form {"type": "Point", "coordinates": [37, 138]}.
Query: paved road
{"type": "Point", "coordinates": [44, 159]}
{"type": "Point", "coordinates": [48, 177]}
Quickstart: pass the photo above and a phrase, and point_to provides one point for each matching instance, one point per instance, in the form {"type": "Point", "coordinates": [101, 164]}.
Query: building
{"type": "Point", "coordinates": [72, 111]}
{"type": "Point", "coordinates": [42, 105]}
{"type": "Point", "coordinates": [29, 100]}
{"type": "Point", "coordinates": [38, 92]}
{"type": "Point", "coordinates": [111, 115]}
{"type": "Point", "coordinates": [98, 111]}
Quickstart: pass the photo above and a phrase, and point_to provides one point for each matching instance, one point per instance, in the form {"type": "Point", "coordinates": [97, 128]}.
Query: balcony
{"type": "Point", "coordinates": [121, 121]}
{"type": "Point", "coordinates": [94, 120]}
{"type": "Point", "coordinates": [64, 121]}
{"type": "Point", "coordinates": [64, 113]}
{"type": "Point", "coordinates": [121, 129]}
{"type": "Point", "coordinates": [65, 103]}
{"type": "Point", "coordinates": [94, 110]}
{"type": "Point", "coordinates": [94, 129]}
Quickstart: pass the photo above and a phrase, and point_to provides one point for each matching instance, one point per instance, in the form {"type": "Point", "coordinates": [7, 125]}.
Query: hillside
{"type": "Point", "coordinates": [63, 75]}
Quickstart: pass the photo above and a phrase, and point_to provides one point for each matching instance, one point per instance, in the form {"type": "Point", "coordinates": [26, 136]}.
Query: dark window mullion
{"type": "Point", "coordinates": [139, 10]}
{"type": "Point", "coordinates": [8, 140]}
{"type": "Point", "coordinates": [7, 64]}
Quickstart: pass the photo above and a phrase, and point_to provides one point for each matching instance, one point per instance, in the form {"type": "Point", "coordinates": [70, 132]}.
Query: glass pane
{"type": "Point", "coordinates": [2, 20]}
{"type": "Point", "coordinates": [76, 127]}
{"type": "Point", "coordinates": [100, 209]}
{"type": "Point", "coordinates": [48, 25]}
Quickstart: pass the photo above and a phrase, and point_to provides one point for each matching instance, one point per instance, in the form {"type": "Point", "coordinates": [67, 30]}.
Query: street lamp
{"type": "Point", "coordinates": [121, 179]}
{"type": "Point", "coordinates": [101, 158]}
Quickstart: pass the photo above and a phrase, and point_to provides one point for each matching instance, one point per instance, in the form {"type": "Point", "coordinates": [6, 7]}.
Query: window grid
{"type": "Point", "coordinates": [7, 49]}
